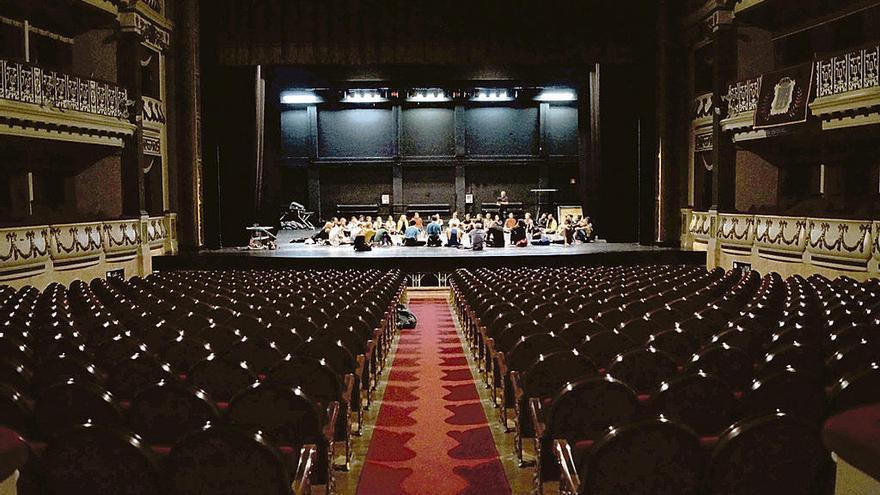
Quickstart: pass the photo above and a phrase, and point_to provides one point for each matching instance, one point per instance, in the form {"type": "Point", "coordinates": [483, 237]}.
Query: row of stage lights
{"type": "Point", "coordinates": [428, 95]}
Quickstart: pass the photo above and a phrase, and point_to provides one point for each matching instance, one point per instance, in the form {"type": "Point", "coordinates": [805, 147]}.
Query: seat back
{"type": "Point", "coordinates": [650, 457]}
{"type": "Point", "coordinates": [286, 415]}
{"type": "Point", "coordinates": [97, 459]}
{"type": "Point", "coordinates": [166, 411]}
{"type": "Point", "coordinates": [770, 455]}
{"type": "Point", "coordinates": [585, 409]}
{"type": "Point", "coordinates": [225, 461]}
{"type": "Point", "coordinates": [698, 400]}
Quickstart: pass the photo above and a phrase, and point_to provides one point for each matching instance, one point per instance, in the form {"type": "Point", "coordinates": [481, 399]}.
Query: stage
{"type": "Point", "coordinates": [428, 259]}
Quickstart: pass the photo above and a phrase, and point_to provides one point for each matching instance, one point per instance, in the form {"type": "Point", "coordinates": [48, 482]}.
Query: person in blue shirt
{"type": "Point", "coordinates": [434, 230]}
{"type": "Point", "coordinates": [411, 235]}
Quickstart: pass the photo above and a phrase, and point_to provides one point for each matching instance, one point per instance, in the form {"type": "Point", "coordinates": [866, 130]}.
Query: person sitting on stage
{"type": "Point", "coordinates": [411, 236]}
{"type": "Point", "coordinates": [567, 232]}
{"type": "Point", "coordinates": [510, 223]}
{"type": "Point", "coordinates": [552, 225]}
{"type": "Point", "coordinates": [495, 235]}
{"type": "Point", "coordinates": [354, 229]}
{"type": "Point", "coordinates": [418, 221]}
{"type": "Point", "coordinates": [584, 230]}
{"type": "Point", "coordinates": [478, 237]}
{"type": "Point", "coordinates": [518, 234]}
{"type": "Point", "coordinates": [434, 229]}
{"type": "Point", "coordinates": [529, 223]}
{"type": "Point", "coordinates": [541, 223]}
{"type": "Point", "coordinates": [337, 236]}
{"type": "Point", "coordinates": [369, 231]}
{"type": "Point", "coordinates": [323, 235]}
{"type": "Point", "coordinates": [361, 243]}
{"type": "Point", "coordinates": [402, 224]}
{"type": "Point", "coordinates": [453, 234]}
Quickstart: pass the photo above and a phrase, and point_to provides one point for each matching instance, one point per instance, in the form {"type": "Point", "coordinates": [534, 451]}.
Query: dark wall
{"type": "Point", "coordinates": [352, 184]}
{"type": "Point", "coordinates": [427, 132]}
{"type": "Point", "coordinates": [486, 181]}
{"type": "Point", "coordinates": [295, 132]}
{"type": "Point", "coordinates": [428, 184]}
{"type": "Point", "coordinates": [494, 131]}
{"type": "Point", "coordinates": [356, 132]}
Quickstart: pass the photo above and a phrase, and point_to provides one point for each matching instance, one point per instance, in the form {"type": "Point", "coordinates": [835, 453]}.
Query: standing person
{"type": "Point", "coordinates": [478, 237]}
{"type": "Point", "coordinates": [411, 235]}
{"type": "Point", "coordinates": [502, 198]}
{"type": "Point", "coordinates": [567, 232]}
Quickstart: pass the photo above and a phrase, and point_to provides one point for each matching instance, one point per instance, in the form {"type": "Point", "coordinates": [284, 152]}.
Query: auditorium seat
{"type": "Point", "coordinates": [163, 413]}
{"type": "Point", "coordinates": [224, 461]}
{"type": "Point", "coordinates": [99, 459]}
{"type": "Point", "coordinates": [699, 400]}
{"type": "Point", "coordinates": [221, 378]}
{"type": "Point", "coordinates": [658, 457]}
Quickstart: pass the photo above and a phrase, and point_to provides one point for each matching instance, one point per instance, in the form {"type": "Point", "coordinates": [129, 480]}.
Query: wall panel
{"type": "Point", "coordinates": [355, 132]}
{"type": "Point", "coordinates": [295, 133]}
{"type": "Point", "coordinates": [495, 131]}
{"type": "Point", "coordinates": [427, 132]}
{"type": "Point", "coordinates": [562, 136]}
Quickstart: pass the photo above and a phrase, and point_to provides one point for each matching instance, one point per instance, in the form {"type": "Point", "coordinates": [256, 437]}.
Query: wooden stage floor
{"type": "Point", "coordinates": [429, 258]}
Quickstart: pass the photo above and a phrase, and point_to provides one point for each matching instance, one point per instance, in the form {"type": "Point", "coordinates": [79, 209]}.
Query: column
{"type": "Point", "coordinates": [128, 59]}
{"type": "Point", "coordinates": [723, 73]}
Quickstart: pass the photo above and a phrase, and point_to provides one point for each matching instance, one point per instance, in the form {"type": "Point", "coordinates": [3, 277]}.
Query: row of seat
{"type": "Point", "coordinates": [574, 351]}
{"type": "Point", "coordinates": [277, 363]}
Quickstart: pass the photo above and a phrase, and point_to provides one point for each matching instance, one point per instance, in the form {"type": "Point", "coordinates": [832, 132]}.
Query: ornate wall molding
{"type": "Point", "coordinates": [75, 241]}
{"type": "Point", "coordinates": [736, 229]}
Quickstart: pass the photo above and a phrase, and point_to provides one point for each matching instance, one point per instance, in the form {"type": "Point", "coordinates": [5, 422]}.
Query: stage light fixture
{"type": "Point", "coordinates": [364, 96]}
{"type": "Point", "coordinates": [429, 95]}
{"type": "Point", "coordinates": [557, 94]}
{"type": "Point", "coordinates": [492, 94]}
{"type": "Point", "coordinates": [300, 97]}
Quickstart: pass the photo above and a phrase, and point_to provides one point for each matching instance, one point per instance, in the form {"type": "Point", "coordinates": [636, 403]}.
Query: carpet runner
{"type": "Point", "coordinates": [431, 434]}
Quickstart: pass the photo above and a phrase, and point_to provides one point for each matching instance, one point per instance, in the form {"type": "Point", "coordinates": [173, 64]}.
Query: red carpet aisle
{"type": "Point", "coordinates": [431, 435]}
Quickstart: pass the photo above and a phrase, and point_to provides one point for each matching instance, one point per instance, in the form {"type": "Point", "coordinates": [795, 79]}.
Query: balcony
{"type": "Point", "coordinates": [848, 88]}
{"type": "Point", "coordinates": [701, 122]}
{"type": "Point", "coordinates": [43, 104]}
{"type": "Point", "coordinates": [742, 101]}
{"type": "Point", "coordinates": [67, 17]}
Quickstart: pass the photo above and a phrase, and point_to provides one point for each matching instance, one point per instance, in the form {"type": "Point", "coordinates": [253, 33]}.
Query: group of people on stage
{"type": "Point", "coordinates": [468, 232]}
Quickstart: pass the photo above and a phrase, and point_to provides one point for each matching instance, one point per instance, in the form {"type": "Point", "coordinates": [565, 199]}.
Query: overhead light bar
{"type": "Point", "coordinates": [557, 94]}
{"type": "Point", "coordinates": [429, 95]}
{"type": "Point", "coordinates": [492, 94]}
{"type": "Point", "coordinates": [300, 97]}
{"type": "Point", "coordinates": [364, 96]}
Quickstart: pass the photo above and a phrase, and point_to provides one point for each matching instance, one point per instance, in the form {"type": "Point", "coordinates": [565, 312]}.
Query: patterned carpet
{"type": "Point", "coordinates": [432, 435]}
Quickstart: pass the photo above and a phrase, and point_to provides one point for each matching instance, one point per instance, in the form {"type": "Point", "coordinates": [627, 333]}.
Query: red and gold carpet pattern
{"type": "Point", "coordinates": [431, 435]}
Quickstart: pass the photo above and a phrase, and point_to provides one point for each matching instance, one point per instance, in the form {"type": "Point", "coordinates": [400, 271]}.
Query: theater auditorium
{"type": "Point", "coordinates": [449, 247]}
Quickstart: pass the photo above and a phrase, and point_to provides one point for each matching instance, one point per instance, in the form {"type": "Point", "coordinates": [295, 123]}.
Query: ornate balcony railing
{"type": "Point", "coordinates": [858, 69]}
{"type": "Point", "coordinates": [30, 84]}
{"type": "Point", "coordinates": [772, 242]}
{"type": "Point", "coordinates": [742, 96]}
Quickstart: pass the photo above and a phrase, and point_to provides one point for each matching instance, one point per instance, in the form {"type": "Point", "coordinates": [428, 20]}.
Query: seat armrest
{"type": "Point", "coordinates": [347, 387]}
{"type": "Point", "coordinates": [569, 475]}
{"type": "Point", "coordinates": [332, 416]}
{"type": "Point", "coordinates": [502, 362]}
{"type": "Point", "coordinates": [301, 484]}
{"type": "Point", "coordinates": [516, 381]}
{"type": "Point", "coordinates": [537, 412]}
{"type": "Point", "coordinates": [359, 366]}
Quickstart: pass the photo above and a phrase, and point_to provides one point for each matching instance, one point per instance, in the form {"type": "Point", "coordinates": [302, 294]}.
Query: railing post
{"type": "Point", "coordinates": [144, 256]}
{"type": "Point", "coordinates": [713, 247]}
{"type": "Point", "coordinates": [686, 240]}
{"type": "Point", "coordinates": [170, 233]}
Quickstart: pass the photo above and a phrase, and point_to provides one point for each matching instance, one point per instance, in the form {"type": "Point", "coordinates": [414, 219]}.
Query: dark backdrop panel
{"type": "Point", "coordinates": [229, 156]}
{"type": "Point", "coordinates": [562, 123]}
{"type": "Point", "coordinates": [486, 181]}
{"type": "Point", "coordinates": [618, 217]}
{"type": "Point", "coordinates": [295, 133]}
{"type": "Point", "coordinates": [353, 184]}
{"type": "Point", "coordinates": [294, 185]}
{"type": "Point", "coordinates": [495, 131]}
{"type": "Point", "coordinates": [560, 176]}
{"type": "Point", "coordinates": [429, 184]}
{"type": "Point", "coordinates": [355, 132]}
{"type": "Point", "coordinates": [427, 132]}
